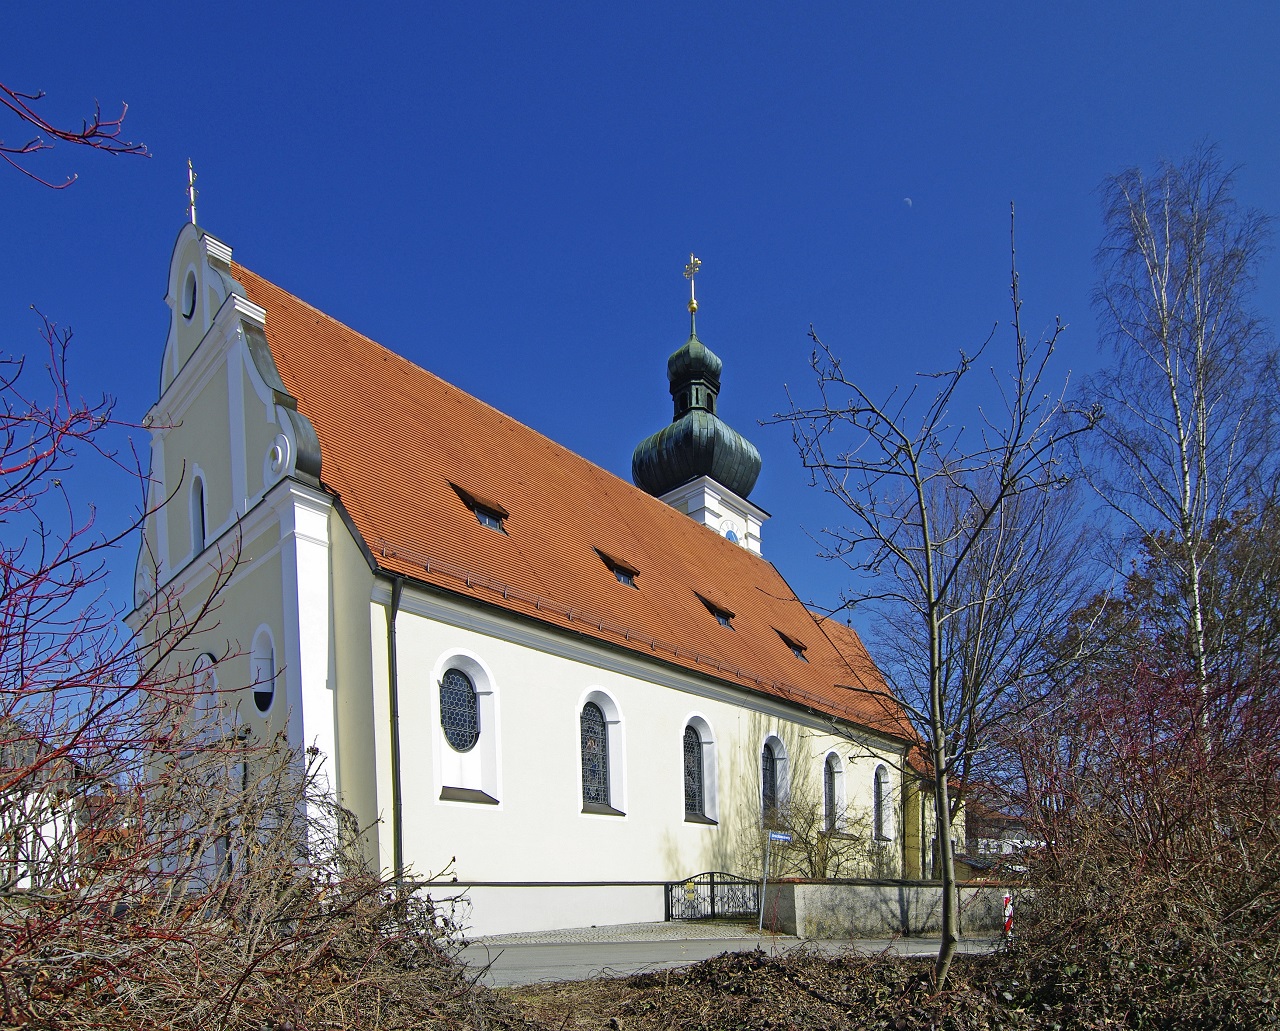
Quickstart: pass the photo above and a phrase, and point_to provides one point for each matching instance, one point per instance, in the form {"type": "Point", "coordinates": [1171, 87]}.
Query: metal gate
{"type": "Point", "coordinates": [712, 896]}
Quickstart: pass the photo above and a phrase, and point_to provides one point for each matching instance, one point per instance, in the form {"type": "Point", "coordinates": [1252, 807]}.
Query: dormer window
{"type": "Point", "coordinates": [624, 573]}
{"type": "Point", "coordinates": [488, 517]}
{"type": "Point", "coordinates": [487, 513]}
{"type": "Point", "coordinates": [797, 649]}
{"type": "Point", "coordinates": [722, 616]}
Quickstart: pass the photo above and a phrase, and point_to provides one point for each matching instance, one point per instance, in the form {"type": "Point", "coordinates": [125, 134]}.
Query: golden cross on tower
{"type": "Point", "coordinates": [191, 192]}
{"type": "Point", "coordinates": [691, 270]}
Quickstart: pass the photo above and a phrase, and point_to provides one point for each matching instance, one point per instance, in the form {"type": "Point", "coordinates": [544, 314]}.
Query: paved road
{"type": "Point", "coordinates": [616, 952]}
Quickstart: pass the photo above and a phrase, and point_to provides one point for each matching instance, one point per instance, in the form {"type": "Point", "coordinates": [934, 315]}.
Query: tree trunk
{"type": "Point", "coordinates": [946, 860]}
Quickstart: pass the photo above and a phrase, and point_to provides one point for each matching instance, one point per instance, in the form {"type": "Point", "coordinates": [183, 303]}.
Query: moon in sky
{"type": "Point", "coordinates": [907, 201]}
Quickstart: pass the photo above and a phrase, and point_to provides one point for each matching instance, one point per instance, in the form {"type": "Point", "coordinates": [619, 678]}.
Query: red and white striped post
{"type": "Point", "coordinates": [1008, 914]}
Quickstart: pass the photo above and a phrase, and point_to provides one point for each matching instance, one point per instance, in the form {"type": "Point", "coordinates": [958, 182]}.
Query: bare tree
{"type": "Point", "coordinates": [96, 133]}
{"type": "Point", "coordinates": [160, 863]}
{"type": "Point", "coordinates": [1189, 443]}
{"type": "Point", "coordinates": [963, 538]}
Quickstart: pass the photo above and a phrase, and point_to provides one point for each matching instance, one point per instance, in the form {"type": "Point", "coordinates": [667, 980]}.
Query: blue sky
{"type": "Point", "coordinates": [507, 194]}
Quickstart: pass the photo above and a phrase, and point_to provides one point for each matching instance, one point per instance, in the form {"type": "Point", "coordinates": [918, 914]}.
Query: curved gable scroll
{"type": "Point", "coordinates": [307, 461]}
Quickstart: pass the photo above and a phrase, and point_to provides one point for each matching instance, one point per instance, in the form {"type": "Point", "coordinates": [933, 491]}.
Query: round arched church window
{"type": "Point", "coordinates": [459, 713]}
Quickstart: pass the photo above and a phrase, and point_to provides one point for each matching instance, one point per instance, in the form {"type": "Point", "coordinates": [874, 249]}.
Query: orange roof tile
{"type": "Point", "coordinates": [396, 441]}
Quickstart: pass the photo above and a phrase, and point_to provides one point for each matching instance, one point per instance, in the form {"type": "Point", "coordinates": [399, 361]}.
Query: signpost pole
{"type": "Point", "coordinates": [764, 877]}
{"type": "Point", "coordinates": [783, 838]}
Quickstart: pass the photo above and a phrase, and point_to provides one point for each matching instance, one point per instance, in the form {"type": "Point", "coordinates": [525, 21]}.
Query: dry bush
{"type": "Point", "coordinates": [816, 851]}
{"type": "Point", "coordinates": [1158, 881]}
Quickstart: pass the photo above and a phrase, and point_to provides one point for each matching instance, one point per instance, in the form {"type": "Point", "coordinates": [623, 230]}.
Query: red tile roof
{"type": "Point", "coordinates": [397, 445]}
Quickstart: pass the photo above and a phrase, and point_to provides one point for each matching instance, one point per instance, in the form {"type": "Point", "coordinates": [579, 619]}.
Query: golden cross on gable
{"type": "Point", "coordinates": [691, 270]}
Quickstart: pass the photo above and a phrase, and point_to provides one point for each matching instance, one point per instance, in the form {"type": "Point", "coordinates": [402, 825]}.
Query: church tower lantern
{"type": "Point", "coordinates": [698, 464]}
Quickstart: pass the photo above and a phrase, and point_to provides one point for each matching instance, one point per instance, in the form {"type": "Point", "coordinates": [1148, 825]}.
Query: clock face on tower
{"type": "Point", "coordinates": [729, 530]}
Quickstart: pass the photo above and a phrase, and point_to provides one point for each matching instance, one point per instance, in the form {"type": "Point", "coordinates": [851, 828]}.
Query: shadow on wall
{"type": "Point", "coordinates": [737, 844]}
{"type": "Point", "coordinates": [850, 910]}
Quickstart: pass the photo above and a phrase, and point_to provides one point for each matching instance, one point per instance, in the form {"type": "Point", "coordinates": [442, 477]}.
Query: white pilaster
{"type": "Point", "coordinates": [304, 550]}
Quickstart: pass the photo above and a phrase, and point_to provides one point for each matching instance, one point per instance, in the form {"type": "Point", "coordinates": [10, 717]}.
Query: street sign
{"type": "Point", "coordinates": [783, 836]}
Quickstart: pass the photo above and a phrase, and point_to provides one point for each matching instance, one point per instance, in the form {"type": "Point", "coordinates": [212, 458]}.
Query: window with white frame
{"type": "Point", "coordinates": [774, 785]}
{"type": "Point", "coordinates": [699, 770]}
{"type": "Point", "coordinates": [881, 805]}
{"type": "Point", "coordinates": [467, 753]}
{"type": "Point", "coordinates": [199, 525]}
{"type": "Point", "coordinates": [600, 755]}
{"type": "Point", "coordinates": [833, 804]}
{"type": "Point", "coordinates": [204, 694]}
{"type": "Point", "coordinates": [262, 670]}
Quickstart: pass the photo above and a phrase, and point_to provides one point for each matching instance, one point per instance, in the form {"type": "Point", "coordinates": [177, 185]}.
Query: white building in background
{"type": "Point", "coordinates": [521, 670]}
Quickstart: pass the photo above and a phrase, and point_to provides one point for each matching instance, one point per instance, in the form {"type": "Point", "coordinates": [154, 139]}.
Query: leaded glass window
{"type": "Point", "coordinates": [769, 779]}
{"type": "Point", "coordinates": [693, 782]}
{"type": "Point", "coordinates": [595, 756]}
{"type": "Point", "coordinates": [830, 802]}
{"type": "Point", "coordinates": [459, 711]}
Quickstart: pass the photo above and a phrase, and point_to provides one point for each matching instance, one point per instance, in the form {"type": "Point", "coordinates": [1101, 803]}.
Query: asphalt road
{"type": "Point", "coordinates": [517, 963]}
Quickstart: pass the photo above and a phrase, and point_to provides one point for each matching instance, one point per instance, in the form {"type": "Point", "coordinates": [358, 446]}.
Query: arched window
{"type": "Point", "coordinates": [881, 811]}
{"type": "Point", "coordinates": [204, 692]}
{"type": "Point", "coordinates": [459, 710]}
{"type": "Point", "coordinates": [694, 780]}
{"type": "Point", "coordinates": [465, 750]}
{"type": "Point", "coordinates": [189, 295]}
{"type": "Point", "coordinates": [698, 764]}
{"type": "Point", "coordinates": [595, 756]}
{"type": "Point", "coordinates": [775, 779]}
{"type": "Point", "coordinates": [198, 530]}
{"type": "Point", "coordinates": [831, 792]}
{"type": "Point", "coordinates": [263, 670]}
{"type": "Point", "coordinates": [769, 780]}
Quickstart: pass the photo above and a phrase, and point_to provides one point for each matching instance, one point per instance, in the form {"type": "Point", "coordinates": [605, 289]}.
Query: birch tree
{"type": "Point", "coordinates": [958, 531]}
{"type": "Point", "coordinates": [1189, 443]}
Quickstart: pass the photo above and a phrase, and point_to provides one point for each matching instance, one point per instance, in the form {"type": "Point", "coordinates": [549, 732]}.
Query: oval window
{"type": "Point", "coordinates": [263, 668]}
{"type": "Point", "coordinates": [189, 296]}
{"type": "Point", "coordinates": [459, 712]}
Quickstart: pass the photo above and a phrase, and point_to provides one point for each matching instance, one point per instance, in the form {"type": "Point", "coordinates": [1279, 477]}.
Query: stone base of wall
{"type": "Point", "coordinates": [835, 909]}
{"type": "Point", "coordinates": [484, 909]}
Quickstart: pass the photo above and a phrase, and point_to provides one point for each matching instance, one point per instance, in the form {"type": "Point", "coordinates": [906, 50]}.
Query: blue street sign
{"type": "Point", "coordinates": [783, 836]}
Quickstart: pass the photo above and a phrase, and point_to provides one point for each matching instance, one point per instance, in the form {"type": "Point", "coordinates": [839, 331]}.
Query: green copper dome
{"type": "Point", "coordinates": [696, 443]}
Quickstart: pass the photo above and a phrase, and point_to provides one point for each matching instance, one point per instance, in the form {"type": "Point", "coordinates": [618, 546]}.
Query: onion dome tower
{"type": "Point", "coordinates": [699, 464]}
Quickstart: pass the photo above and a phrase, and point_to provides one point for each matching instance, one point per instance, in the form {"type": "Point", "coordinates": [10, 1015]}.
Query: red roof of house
{"type": "Point", "coordinates": [404, 451]}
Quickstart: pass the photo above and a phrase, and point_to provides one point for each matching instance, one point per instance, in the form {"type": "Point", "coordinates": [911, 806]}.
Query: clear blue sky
{"type": "Point", "coordinates": [507, 193]}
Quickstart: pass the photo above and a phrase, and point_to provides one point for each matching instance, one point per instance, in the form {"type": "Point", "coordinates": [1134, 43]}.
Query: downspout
{"type": "Point", "coordinates": [393, 687]}
{"type": "Point", "coordinates": [903, 834]}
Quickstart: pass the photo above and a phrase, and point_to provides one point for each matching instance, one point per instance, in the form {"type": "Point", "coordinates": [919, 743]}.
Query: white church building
{"type": "Point", "coordinates": [561, 688]}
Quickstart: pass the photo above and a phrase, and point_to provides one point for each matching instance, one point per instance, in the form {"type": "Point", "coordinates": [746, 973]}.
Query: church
{"type": "Point", "coordinates": [534, 684]}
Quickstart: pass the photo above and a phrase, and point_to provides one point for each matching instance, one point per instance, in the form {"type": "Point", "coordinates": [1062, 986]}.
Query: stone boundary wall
{"type": "Point", "coordinates": [841, 909]}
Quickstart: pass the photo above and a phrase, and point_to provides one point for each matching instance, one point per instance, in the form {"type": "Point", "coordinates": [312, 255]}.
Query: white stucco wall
{"type": "Point", "coordinates": [537, 835]}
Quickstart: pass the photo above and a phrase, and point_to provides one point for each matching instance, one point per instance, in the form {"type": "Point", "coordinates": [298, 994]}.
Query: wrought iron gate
{"type": "Point", "coordinates": [712, 896]}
